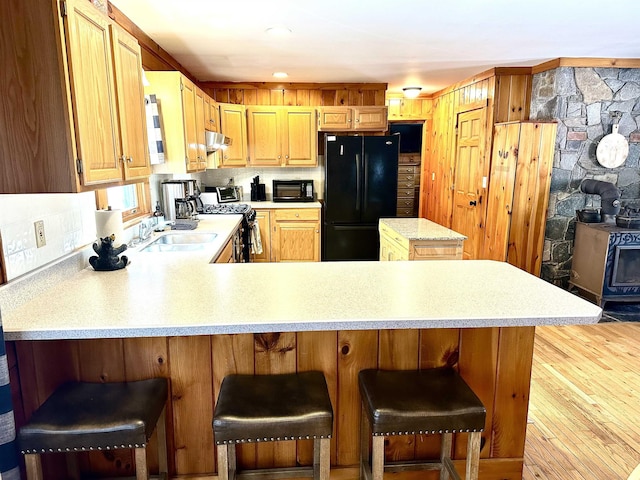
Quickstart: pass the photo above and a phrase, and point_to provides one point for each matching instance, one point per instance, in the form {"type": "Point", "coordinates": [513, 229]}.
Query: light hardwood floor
{"type": "Point", "coordinates": [584, 411]}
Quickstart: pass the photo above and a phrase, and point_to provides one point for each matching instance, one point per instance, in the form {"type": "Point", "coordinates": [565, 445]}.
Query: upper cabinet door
{"type": "Point", "coordinates": [200, 128]}
{"type": "Point", "coordinates": [132, 113]}
{"type": "Point", "coordinates": [233, 124]}
{"type": "Point", "coordinates": [300, 139]}
{"type": "Point", "coordinates": [190, 125]}
{"type": "Point", "coordinates": [93, 93]}
{"type": "Point", "coordinates": [264, 132]}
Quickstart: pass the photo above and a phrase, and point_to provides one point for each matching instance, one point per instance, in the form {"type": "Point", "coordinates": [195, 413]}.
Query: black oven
{"type": "Point", "coordinates": [293, 191]}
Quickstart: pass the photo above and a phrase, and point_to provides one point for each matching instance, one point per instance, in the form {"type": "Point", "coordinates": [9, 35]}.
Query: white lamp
{"type": "Point", "coordinates": [411, 92]}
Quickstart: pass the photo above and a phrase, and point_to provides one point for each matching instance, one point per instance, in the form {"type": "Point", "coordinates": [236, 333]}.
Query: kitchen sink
{"type": "Point", "coordinates": [180, 242]}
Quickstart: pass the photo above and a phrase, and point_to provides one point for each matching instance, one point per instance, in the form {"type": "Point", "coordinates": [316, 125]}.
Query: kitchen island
{"type": "Point", "coordinates": [418, 239]}
{"type": "Point", "coordinates": [178, 316]}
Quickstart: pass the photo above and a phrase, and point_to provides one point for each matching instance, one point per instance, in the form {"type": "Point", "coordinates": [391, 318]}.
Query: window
{"type": "Point", "coordinates": [134, 200]}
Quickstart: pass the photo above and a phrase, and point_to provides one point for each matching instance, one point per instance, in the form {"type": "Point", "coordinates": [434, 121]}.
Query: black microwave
{"type": "Point", "coordinates": [293, 191]}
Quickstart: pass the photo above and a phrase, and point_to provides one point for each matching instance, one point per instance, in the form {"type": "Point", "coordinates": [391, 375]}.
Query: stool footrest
{"type": "Point", "coordinates": [275, 473]}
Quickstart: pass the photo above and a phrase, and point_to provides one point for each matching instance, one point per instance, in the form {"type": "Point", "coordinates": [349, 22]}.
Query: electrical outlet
{"type": "Point", "coordinates": [41, 240]}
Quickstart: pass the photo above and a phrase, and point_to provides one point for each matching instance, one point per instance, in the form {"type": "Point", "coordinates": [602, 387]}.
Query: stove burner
{"type": "Point", "coordinates": [227, 208]}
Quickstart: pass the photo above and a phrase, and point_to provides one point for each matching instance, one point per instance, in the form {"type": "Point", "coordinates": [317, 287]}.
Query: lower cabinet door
{"type": "Point", "coordinates": [296, 241]}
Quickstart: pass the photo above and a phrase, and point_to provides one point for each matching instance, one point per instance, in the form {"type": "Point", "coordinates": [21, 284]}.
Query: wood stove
{"type": "Point", "coordinates": [606, 262]}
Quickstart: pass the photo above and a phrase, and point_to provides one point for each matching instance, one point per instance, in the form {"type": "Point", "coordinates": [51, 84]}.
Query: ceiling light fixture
{"type": "Point", "coordinates": [411, 92]}
{"type": "Point", "coordinates": [280, 74]}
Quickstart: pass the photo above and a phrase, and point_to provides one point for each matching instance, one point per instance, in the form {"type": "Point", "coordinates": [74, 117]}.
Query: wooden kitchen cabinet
{"type": "Point", "coordinates": [409, 108]}
{"type": "Point", "coordinates": [201, 151]}
{"type": "Point", "coordinates": [282, 136]}
{"type": "Point", "coordinates": [183, 131]}
{"type": "Point", "coordinates": [336, 119]}
{"type": "Point", "coordinates": [233, 124]}
{"type": "Point", "coordinates": [296, 235]}
{"type": "Point", "coordinates": [64, 130]}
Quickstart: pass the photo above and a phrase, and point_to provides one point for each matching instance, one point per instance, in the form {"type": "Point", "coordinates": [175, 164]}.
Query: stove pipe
{"type": "Point", "coordinates": [609, 195]}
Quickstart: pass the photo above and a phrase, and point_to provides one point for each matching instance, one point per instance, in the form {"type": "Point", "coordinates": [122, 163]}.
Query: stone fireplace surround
{"type": "Point", "coordinates": [582, 101]}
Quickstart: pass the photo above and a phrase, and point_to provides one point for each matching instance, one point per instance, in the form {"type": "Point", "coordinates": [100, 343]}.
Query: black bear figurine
{"type": "Point", "coordinates": [107, 258]}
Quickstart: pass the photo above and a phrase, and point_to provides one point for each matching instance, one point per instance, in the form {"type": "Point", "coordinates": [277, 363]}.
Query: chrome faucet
{"type": "Point", "coordinates": [144, 231]}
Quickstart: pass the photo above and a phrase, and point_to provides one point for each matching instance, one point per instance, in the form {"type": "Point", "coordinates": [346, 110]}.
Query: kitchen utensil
{"type": "Point", "coordinates": [612, 150]}
{"type": "Point", "coordinates": [184, 208]}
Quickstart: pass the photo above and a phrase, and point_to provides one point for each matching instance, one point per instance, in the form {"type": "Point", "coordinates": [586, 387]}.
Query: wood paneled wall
{"type": "Point", "coordinates": [504, 94]}
{"type": "Point", "coordinates": [297, 94]}
{"type": "Point", "coordinates": [196, 366]}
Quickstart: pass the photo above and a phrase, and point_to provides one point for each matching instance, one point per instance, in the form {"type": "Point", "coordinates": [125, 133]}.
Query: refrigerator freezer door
{"type": "Point", "coordinates": [380, 178]}
{"type": "Point", "coordinates": [343, 175]}
{"type": "Point", "coordinates": [350, 242]}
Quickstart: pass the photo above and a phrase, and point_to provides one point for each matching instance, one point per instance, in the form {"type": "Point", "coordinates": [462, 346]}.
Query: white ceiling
{"type": "Point", "coordinates": [402, 42]}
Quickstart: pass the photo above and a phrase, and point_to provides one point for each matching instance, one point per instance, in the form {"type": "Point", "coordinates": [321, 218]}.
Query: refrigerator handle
{"type": "Point", "coordinates": [366, 182]}
{"type": "Point", "coordinates": [358, 196]}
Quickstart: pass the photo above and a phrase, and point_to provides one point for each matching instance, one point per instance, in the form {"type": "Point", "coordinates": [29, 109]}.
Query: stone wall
{"type": "Point", "coordinates": [585, 102]}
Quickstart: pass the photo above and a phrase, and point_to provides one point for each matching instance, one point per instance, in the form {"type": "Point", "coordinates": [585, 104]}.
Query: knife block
{"type": "Point", "coordinates": [258, 192]}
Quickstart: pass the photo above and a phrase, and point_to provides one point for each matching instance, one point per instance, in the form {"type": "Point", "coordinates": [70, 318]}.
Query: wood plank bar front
{"type": "Point", "coordinates": [495, 361]}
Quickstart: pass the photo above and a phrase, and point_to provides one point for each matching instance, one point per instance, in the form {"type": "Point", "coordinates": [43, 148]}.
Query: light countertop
{"type": "Point", "coordinates": [174, 293]}
{"type": "Point", "coordinates": [421, 229]}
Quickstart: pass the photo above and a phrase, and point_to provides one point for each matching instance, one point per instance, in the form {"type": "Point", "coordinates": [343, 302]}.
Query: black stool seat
{"type": "Point", "coordinates": [88, 416]}
{"type": "Point", "coordinates": [420, 402]}
{"type": "Point", "coordinates": [255, 408]}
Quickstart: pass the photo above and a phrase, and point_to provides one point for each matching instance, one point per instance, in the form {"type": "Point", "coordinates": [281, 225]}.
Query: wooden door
{"type": "Point", "coordinates": [132, 113]}
{"type": "Point", "coordinates": [93, 93]}
{"type": "Point", "coordinates": [264, 132]}
{"type": "Point", "coordinates": [300, 137]}
{"type": "Point", "coordinates": [500, 196]}
{"type": "Point", "coordinates": [233, 124]}
{"type": "Point", "coordinates": [200, 116]}
{"type": "Point", "coordinates": [189, 117]}
{"type": "Point", "coordinates": [468, 208]}
{"type": "Point", "coordinates": [264, 224]}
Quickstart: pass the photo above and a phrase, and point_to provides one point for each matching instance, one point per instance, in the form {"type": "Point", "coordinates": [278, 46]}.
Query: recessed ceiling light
{"type": "Point", "coordinates": [278, 31]}
{"type": "Point", "coordinates": [280, 74]}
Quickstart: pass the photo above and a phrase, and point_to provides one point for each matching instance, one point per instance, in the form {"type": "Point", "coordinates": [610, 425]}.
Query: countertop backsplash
{"type": "Point", "coordinates": [69, 223]}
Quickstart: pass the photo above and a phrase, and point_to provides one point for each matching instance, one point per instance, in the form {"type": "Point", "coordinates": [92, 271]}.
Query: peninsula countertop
{"type": "Point", "coordinates": [421, 229]}
{"type": "Point", "coordinates": [176, 293]}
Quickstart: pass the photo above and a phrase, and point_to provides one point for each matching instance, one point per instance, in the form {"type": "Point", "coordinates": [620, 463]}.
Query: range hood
{"type": "Point", "coordinates": [216, 141]}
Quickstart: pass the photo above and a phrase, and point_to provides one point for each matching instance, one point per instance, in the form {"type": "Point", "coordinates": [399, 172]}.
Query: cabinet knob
{"type": "Point", "coordinates": [297, 214]}
{"type": "Point", "coordinates": [123, 159]}
{"type": "Point", "coordinates": [279, 156]}
{"type": "Point", "coordinates": [287, 157]}
{"type": "Point", "coordinates": [130, 159]}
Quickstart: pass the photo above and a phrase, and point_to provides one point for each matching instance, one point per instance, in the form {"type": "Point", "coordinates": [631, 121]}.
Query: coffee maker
{"type": "Point", "coordinates": [181, 199]}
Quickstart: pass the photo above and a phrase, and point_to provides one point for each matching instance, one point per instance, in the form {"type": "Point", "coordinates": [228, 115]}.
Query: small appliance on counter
{"type": "Point", "coordinates": [229, 193]}
{"type": "Point", "coordinates": [293, 191]}
{"type": "Point", "coordinates": [181, 199]}
{"type": "Point", "coordinates": [258, 190]}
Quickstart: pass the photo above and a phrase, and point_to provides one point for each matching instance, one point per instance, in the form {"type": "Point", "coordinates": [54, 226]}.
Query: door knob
{"type": "Point", "coordinates": [473, 203]}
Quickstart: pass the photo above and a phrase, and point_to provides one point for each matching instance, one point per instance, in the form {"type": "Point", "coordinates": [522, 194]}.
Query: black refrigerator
{"type": "Point", "coordinates": [360, 187]}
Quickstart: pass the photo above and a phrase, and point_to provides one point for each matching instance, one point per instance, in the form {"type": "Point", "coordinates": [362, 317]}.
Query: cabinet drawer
{"type": "Point", "coordinates": [406, 178]}
{"type": "Point", "coordinates": [437, 250]}
{"type": "Point", "coordinates": [402, 184]}
{"type": "Point", "coordinates": [296, 214]}
{"type": "Point", "coordinates": [404, 203]}
{"type": "Point", "coordinates": [405, 192]}
{"type": "Point", "coordinates": [406, 170]}
{"type": "Point", "coordinates": [393, 238]}
{"type": "Point", "coordinates": [404, 212]}
{"type": "Point", "coordinates": [409, 158]}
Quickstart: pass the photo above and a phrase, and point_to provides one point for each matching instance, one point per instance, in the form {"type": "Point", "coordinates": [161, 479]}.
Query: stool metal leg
{"type": "Point", "coordinates": [142, 470]}
{"type": "Point", "coordinates": [473, 455]}
{"type": "Point", "coordinates": [321, 459]}
{"type": "Point", "coordinates": [33, 464]}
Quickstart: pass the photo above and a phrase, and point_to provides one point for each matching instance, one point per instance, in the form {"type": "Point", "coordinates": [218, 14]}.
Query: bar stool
{"type": "Point", "coordinates": [269, 408]}
{"type": "Point", "coordinates": [82, 416]}
{"type": "Point", "coordinates": [418, 402]}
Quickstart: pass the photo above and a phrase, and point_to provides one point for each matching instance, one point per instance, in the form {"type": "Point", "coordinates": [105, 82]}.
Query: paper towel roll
{"type": "Point", "coordinates": [109, 222]}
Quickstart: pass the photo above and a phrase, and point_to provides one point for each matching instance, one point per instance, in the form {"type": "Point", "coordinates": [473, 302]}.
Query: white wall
{"type": "Point", "coordinates": [69, 224]}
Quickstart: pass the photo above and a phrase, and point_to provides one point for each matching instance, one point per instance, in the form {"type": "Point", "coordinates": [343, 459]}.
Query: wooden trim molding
{"type": "Point", "coordinates": [587, 63]}
{"type": "Point", "coordinates": [294, 86]}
